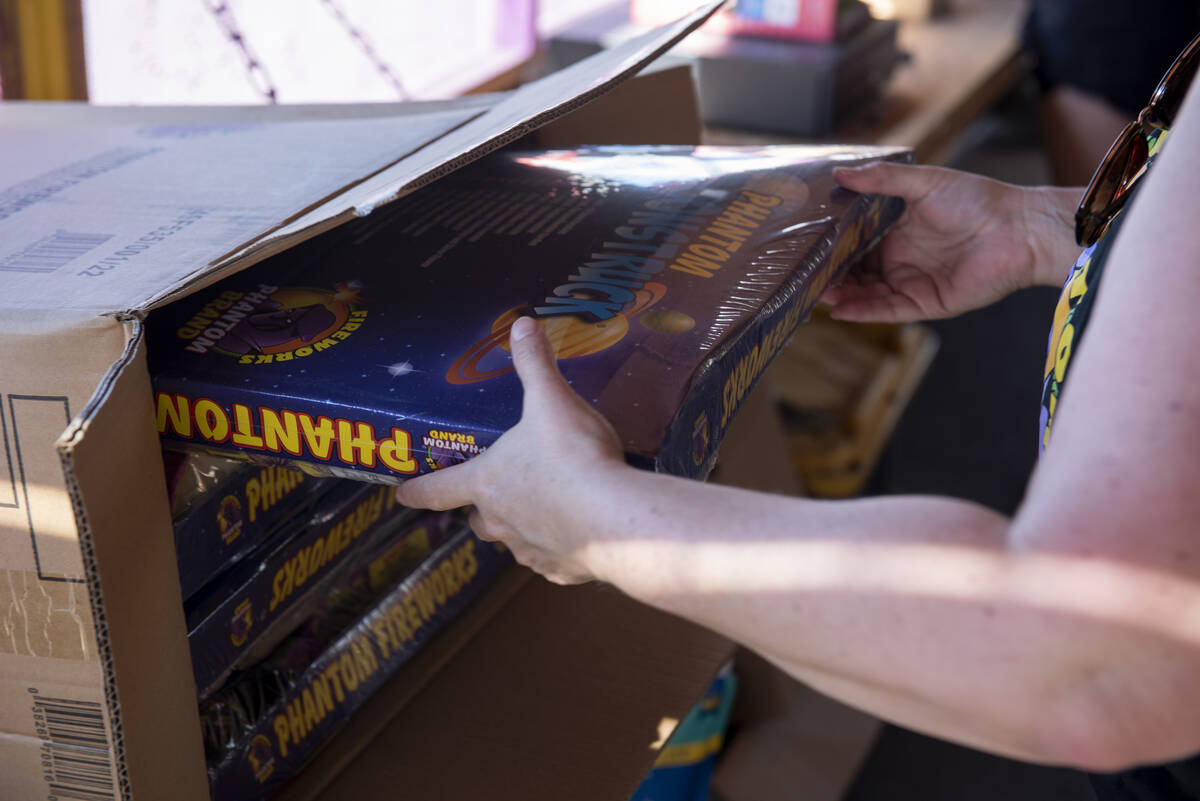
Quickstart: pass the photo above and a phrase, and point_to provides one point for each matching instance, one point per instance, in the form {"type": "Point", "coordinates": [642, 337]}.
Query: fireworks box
{"type": "Point", "coordinates": [108, 213]}
{"type": "Point", "coordinates": [666, 277]}
{"type": "Point", "coordinates": [240, 614]}
{"type": "Point", "coordinates": [320, 696]}
{"type": "Point", "coordinates": [224, 509]}
{"type": "Point", "coordinates": [799, 88]}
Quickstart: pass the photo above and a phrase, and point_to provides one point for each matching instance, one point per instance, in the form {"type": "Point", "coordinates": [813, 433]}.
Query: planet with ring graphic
{"type": "Point", "coordinates": [667, 321]}
{"type": "Point", "coordinates": [570, 337]}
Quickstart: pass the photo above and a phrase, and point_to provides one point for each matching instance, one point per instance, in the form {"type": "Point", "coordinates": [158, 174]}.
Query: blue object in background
{"type": "Point", "coordinates": [683, 770]}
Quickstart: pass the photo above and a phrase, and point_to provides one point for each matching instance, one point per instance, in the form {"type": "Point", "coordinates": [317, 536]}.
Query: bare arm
{"type": "Point", "coordinates": [1069, 634]}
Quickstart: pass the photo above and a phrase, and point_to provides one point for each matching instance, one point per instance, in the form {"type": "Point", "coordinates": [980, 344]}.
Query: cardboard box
{"type": "Point", "coordinates": [106, 214]}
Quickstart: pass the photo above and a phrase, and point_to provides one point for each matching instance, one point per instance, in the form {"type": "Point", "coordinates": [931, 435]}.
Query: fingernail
{"type": "Point", "coordinates": [523, 327]}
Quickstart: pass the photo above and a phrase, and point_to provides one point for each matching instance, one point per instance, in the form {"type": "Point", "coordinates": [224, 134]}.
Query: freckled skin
{"type": "Point", "coordinates": [1089, 593]}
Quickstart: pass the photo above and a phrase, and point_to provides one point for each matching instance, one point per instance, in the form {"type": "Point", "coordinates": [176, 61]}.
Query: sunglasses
{"type": "Point", "coordinates": [1126, 161]}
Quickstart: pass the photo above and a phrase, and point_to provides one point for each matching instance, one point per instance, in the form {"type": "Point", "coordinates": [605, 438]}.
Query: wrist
{"type": "Point", "coordinates": [1050, 227]}
{"type": "Point", "coordinates": [587, 511]}
{"type": "Point", "coordinates": [630, 520]}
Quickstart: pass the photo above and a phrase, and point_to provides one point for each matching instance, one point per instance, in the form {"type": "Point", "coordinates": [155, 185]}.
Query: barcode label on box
{"type": "Point", "coordinates": [76, 761]}
{"type": "Point", "coordinates": [55, 251]}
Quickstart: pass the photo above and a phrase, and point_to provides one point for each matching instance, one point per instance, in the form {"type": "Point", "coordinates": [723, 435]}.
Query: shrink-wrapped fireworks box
{"type": "Point", "coordinates": [224, 509]}
{"type": "Point", "coordinates": [239, 617]}
{"type": "Point", "coordinates": [666, 278]}
{"type": "Point", "coordinates": [272, 719]}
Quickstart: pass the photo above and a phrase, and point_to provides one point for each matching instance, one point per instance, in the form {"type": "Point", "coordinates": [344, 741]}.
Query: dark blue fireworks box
{"type": "Point", "coordinates": [224, 509]}
{"type": "Point", "coordinates": [239, 618]}
{"type": "Point", "coordinates": [666, 278]}
{"type": "Point", "coordinates": [261, 733]}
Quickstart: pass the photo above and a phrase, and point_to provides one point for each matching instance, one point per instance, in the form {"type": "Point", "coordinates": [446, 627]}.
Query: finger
{"type": "Point", "coordinates": [831, 296]}
{"type": "Point", "coordinates": [565, 579]}
{"type": "Point", "coordinates": [852, 287]}
{"type": "Point", "coordinates": [856, 288]}
{"type": "Point", "coordinates": [866, 272]}
{"type": "Point", "coordinates": [891, 308]}
{"type": "Point", "coordinates": [534, 361]}
{"type": "Point", "coordinates": [446, 489]}
{"type": "Point", "coordinates": [907, 181]}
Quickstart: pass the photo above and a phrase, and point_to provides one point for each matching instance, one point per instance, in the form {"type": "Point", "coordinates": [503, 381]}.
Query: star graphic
{"type": "Point", "coordinates": [399, 369]}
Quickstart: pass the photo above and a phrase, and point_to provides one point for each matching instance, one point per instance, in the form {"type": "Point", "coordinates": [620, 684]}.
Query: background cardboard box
{"type": "Point", "coordinates": [562, 689]}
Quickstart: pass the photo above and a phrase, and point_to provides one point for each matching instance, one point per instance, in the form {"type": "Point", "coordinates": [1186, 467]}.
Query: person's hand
{"type": "Point", "coordinates": [536, 479]}
{"type": "Point", "coordinates": [963, 242]}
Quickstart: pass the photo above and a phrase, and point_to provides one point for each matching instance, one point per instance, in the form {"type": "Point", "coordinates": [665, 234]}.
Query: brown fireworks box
{"type": "Point", "coordinates": [106, 214]}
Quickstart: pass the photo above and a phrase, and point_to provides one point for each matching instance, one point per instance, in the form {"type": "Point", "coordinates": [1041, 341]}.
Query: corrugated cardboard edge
{"type": "Point", "coordinates": [160, 653]}
{"type": "Point", "coordinates": [66, 454]}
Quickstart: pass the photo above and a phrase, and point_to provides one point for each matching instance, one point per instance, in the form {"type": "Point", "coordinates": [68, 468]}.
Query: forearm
{"type": "Point", "coordinates": [914, 609]}
{"type": "Point", "coordinates": [1049, 217]}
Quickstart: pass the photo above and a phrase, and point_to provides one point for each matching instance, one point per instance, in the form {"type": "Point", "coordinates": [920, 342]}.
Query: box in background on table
{"type": "Point", "coordinates": [141, 206]}
{"type": "Point", "coordinates": [912, 9]}
{"type": "Point", "coordinates": [800, 20]}
{"type": "Point", "coordinates": [800, 88]}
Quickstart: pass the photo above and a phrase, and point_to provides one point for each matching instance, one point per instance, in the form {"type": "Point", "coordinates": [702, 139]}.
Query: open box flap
{"type": "Point", "coordinates": [100, 217]}
{"type": "Point", "coordinates": [154, 205]}
{"type": "Point", "coordinates": [517, 114]}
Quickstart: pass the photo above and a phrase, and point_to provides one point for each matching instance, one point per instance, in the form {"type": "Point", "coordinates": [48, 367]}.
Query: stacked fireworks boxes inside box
{"type": "Point", "coordinates": [303, 595]}
{"type": "Point", "coordinates": [689, 269]}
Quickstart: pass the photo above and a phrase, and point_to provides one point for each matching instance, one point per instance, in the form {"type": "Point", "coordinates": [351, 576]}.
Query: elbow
{"type": "Point", "coordinates": [1093, 749]}
{"type": "Point", "coordinates": [1091, 729]}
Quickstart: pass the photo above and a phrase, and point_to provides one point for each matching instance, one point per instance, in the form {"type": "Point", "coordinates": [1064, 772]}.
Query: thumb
{"type": "Point", "coordinates": [533, 359]}
{"type": "Point", "coordinates": [445, 489]}
{"type": "Point", "coordinates": [907, 181]}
